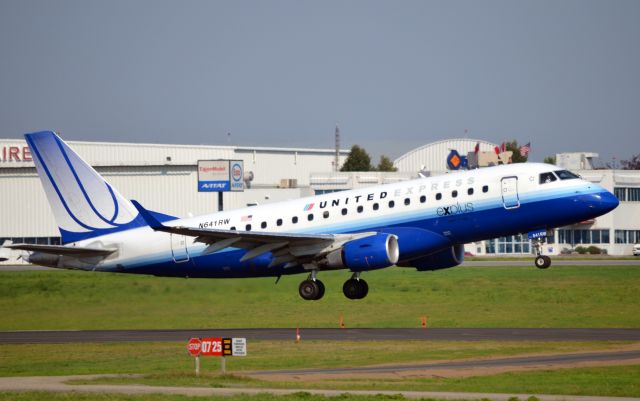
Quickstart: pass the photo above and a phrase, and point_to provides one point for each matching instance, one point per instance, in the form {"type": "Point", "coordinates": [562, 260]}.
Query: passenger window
{"type": "Point", "coordinates": [344, 211]}
{"type": "Point", "coordinates": [310, 217]}
{"type": "Point", "coordinates": [232, 229]}
{"type": "Point", "coordinates": [485, 188]}
{"type": "Point", "coordinates": [438, 196]}
{"type": "Point", "coordinates": [279, 222]}
{"type": "Point", "coordinates": [470, 191]}
{"type": "Point", "coordinates": [407, 201]}
{"type": "Point", "coordinates": [546, 178]}
{"type": "Point", "coordinates": [264, 224]}
{"type": "Point", "coordinates": [391, 204]}
{"type": "Point", "coordinates": [423, 199]}
{"type": "Point", "coordinates": [294, 219]}
{"type": "Point", "coordinates": [325, 214]}
{"type": "Point", "coordinates": [247, 227]}
{"type": "Point", "coordinates": [376, 206]}
{"type": "Point", "coordinates": [454, 194]}
{"type": "Point", "coordinates": [360, 209]}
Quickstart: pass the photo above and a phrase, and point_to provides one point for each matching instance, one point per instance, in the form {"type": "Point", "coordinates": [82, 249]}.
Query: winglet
{"type": "Point", "coordinates": [148, 217]}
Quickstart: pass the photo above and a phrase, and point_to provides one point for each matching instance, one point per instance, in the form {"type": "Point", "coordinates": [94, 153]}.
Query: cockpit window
{"type": "Point", "coordinates": [547, 177]}
{"type": "Point", "coordinates": [566, 175]}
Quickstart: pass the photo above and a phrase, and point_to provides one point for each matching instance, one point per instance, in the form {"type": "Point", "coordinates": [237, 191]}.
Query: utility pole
{"type": "Point", "coordinates": [336, 162]}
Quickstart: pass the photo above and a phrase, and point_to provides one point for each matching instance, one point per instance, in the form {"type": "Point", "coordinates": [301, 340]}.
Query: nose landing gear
{"type": "Point", "coordinates": [542, 261]}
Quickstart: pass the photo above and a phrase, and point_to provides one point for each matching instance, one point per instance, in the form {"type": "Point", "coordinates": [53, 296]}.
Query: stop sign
{"type": "Point", "coordinates": [194, 346]}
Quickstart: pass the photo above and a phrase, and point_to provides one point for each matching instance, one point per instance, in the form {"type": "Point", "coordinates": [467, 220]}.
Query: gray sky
{"type": "Point", "coordinates": [394, 75]}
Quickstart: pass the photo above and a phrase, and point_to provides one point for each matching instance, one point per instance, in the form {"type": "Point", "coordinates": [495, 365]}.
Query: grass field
{"type": "Point", "coordinates": [563, 296]}
{"type": "Point", "coordinates": [172, 358]}
{"type": "Point", "coordinates": [167, 364]}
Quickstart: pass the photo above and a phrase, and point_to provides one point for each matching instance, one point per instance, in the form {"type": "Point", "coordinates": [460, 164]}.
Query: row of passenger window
{"type": "Point", "coordinates": [360, 208]}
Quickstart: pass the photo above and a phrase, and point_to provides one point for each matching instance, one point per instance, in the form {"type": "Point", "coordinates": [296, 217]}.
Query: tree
{"type": "Point", "coordinates": [631, 164]}
{"type": "Point", "coordinates": [550, 160]}
{"type": "Point", "coordinates": [358, 160]}
{"type": "Point", "coordinates": [515, 148]}
{"type": "Point", "coordinates": [386, 164]}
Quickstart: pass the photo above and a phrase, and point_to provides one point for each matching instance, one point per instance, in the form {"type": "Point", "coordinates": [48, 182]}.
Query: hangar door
{"type": "Point", "coordinates": [510, 198]}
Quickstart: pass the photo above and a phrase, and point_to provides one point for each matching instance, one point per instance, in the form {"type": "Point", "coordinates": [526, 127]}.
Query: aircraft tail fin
{"type": "Point", "coordinates": [83, 203]}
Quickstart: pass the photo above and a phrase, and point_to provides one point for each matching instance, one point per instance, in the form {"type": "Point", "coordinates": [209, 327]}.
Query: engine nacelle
{"type": "Point", "coordinates": [450, 257]}
{"type": "Point", "coordinates": [374, 252]}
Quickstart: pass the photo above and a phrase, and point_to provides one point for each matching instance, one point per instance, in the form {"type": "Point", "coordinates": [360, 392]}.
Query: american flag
{"type": "Point", "coordinates": [525, 149]}
{"type": "Point", "coordinates": [246, 218]}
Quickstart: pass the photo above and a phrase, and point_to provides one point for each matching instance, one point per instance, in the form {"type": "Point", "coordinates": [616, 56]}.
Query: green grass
{"type": "Point", "coordinates": [167, 364]}
{"type": "Point", "coordinates": [618, 381]}
{"type": "Point", "coordinates": [40, 396]}
{"type": "Point", "coordinates": [563, 296]}
{"type": "Point", "coordinates": [171, 359]}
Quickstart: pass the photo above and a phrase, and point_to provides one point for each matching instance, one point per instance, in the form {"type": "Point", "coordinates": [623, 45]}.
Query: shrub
{"type": "Point", "coordinates": [581, 250]}
{"type": "Point", "coordinates": [594, 250]}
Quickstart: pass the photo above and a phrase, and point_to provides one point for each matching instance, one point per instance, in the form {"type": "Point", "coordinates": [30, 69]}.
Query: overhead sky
{"type": "Point", "coordinates": [395, 75]}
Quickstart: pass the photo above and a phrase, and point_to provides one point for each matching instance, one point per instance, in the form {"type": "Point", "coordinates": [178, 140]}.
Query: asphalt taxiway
{"type": "Point", "coordinates": [288, 334]}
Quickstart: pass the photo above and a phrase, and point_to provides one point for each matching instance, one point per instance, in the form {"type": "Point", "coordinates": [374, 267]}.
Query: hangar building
{"type": "Point", "coordinates": [161, 177]}
{"type": "Point", "coordinates": [164, 178]}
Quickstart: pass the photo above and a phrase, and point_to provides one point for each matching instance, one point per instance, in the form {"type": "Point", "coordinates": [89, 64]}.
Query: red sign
{"type": "Point", "coordinates": [15, 153]}
{"type": "Point", "coordinates": [212, 346]}
{"type": "Point", "coordinates": [194, 346]}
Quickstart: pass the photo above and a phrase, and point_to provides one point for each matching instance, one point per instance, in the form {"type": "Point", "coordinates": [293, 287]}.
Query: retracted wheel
{"type": "Point", "coordinates": [309, 290]}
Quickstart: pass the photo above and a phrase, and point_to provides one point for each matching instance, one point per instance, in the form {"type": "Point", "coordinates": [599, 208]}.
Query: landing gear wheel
{"type": "Point", "coordinates": [320, 285]}
{"type": "Point", "coordinates": [355, 289]}
{"type": "Point", "coordinates": [543, 262]}
{"type": "Point", "coordinates": [311, 290]}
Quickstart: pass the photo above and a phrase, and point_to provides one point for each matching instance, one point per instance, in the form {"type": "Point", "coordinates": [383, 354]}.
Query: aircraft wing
{"type": "Point", "coordinates": [292, 248]}
{"type": "Point", "coordinates": [63, 250]}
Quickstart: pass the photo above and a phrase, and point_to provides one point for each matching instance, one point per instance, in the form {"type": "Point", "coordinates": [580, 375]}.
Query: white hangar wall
{"type": "Point", "coordinates": [162, 177]}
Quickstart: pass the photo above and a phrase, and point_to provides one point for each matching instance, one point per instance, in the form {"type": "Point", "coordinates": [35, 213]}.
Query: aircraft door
{"type": "Point", "coordinates": [510, 198]}
{"type": "Point", "coordinates": [179, 248]}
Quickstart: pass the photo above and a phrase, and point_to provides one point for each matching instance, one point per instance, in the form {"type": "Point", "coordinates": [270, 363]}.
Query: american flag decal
{"type": "Point", "coordinates": [246, 218]}
{"type": "Point", "coordinates": [308, 207]}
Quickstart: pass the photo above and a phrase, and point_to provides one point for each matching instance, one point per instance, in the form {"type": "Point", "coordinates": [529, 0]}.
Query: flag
{"type": "Point", "coordinates": [525, 149]}
{"type": "Point", "coordinates": [497, 150]}
{"type": "Point", "coordinates": [246, 218]}
{"type": "Point", "coordinates": [503, 147]}
{"type": "Point", "coordinates": [477, 149]}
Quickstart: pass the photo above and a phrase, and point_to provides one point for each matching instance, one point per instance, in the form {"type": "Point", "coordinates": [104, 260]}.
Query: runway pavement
{"type": "Point", "coordinates": [288, 334]}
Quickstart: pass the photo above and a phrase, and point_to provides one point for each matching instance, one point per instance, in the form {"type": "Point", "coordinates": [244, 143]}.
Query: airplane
{"type": "Point", "coordinates": [422, 223]}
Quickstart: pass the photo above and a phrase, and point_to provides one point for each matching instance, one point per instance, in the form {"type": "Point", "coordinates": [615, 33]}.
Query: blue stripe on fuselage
{"type": "Point", "coordinates": [489, 219]}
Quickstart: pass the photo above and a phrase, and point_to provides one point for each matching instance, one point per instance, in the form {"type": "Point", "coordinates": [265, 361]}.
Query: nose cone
{"type": "Point", "coordinates": [603, 202]}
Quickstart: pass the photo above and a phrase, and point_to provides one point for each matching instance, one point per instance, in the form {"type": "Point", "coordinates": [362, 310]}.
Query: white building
{"type": "Point", "coordinates": [161, 177]}
{"type": "Point", "coordinates": [164, 179]}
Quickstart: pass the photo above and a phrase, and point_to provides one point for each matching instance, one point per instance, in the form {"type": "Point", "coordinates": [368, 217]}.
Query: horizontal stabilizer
{"type": "Point", "coordinates": [77, 251]}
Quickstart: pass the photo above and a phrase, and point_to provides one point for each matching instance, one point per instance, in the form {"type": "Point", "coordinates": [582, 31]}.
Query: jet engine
{"type": "Point", "coordinates": [449, 257]}
{"type": "Point", "coordinates": [369, 253]}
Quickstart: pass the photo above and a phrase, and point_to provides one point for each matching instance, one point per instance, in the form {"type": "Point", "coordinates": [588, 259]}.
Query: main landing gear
{"type": "Point", "coordinates": [313, 289]}
{"type": "Point", "coordinates": [542, 261]}
{"type": "Point", "coordinates": [355, 287]}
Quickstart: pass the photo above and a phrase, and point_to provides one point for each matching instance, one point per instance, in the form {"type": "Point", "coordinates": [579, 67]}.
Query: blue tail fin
{"type": "Point", "coordinates": [83, 203]}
